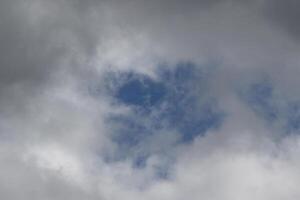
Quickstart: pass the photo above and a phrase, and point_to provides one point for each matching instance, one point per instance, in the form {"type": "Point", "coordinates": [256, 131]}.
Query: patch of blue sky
{"type": "Point", "coordinates": [171, 102]}
{"type": "Point", "coordinates": [293, 117]}
{"type": "Point", "coordinates": [273, 107]}
{"type": "Point", "coordinates": [142, 92]}
{"type": "Point", "coordinates": [260, 97]}
{"type": "Point", "coordinates": [187, 107]}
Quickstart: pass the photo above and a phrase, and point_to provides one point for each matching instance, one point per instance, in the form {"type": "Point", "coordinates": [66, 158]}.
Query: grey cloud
{"type": "Point", "coordinates": [20, 181]}
{"type": "Point", "coordinates": [285, 14]}
{"type": "Point", "coordinates": [52, 51]}
{"type": "Point", "coordinates": [37, 36]}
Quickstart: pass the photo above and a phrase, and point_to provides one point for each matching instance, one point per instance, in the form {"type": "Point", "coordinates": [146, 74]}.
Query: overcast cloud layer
{"type": "Point", "coordinates": [160, 100]}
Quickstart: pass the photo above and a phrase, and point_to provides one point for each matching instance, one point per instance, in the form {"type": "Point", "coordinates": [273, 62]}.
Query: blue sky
{"type": "Point", "coordinates": [169, 102]}
{"type": "Point", "coordinates": [269, 103]}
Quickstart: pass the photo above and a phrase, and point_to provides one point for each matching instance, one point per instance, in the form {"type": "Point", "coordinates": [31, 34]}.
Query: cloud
{"type": "Point", "coordinates": [149, 99]}
{"type": "Point", "coordinates": [285, 15]}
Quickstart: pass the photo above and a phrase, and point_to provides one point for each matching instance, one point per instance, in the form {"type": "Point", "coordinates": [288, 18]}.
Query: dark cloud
{"type": "Point", "coordinates": [38, 36]}
{"type": "Point", "coordinates": [285, 14]}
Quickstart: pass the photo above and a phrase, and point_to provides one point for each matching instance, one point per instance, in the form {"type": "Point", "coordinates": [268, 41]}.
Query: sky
{"type": "Point", "coordinates": [151, 100]}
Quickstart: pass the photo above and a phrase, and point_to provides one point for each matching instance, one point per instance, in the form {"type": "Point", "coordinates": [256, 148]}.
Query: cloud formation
{"type": "Point", "coordinates": [141, 99]}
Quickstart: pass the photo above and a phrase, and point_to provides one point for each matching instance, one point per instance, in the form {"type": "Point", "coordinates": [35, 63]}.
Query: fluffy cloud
{"type": "Point", "coordinates": [215, 116]}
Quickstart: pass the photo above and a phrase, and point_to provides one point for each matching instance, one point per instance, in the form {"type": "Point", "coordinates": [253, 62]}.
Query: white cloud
{"type": "Point", "coordinates": [54, 136]}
